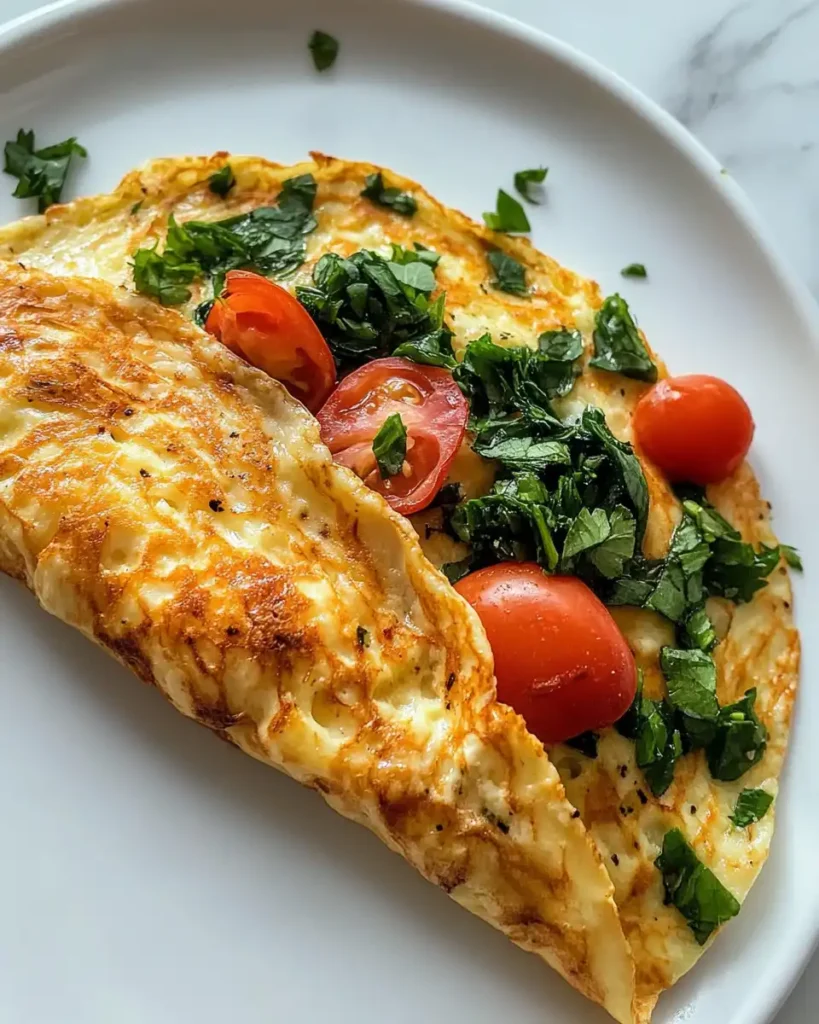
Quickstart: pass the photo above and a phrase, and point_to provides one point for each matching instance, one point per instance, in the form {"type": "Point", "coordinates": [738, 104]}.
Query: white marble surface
{"type": "Point", "coordinates": [743, 77]}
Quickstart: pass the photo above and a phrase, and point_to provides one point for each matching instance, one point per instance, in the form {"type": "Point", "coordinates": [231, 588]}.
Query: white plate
{"type": "Point", "coordinates": [148, 873]}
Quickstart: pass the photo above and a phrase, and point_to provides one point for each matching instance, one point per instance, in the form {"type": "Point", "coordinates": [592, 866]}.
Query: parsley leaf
{"type": "Point", "coordinates": [658, 743]}
{"type": "Point", "coordinates": [634, 270]}
{"type": "Point", "coordinates": [41, 173]}
{"type": "Point", "coordinates": [525, 180]}
{"type": "Point", "coordinates": [269, 240]}
{"type": "Point", "coordinates": [509, 216]}
{"type": "Point", "coordinates": [375, 189]}
{"type": "Point", "coordinates": [390, 446]}
{"type": "Point", "coordinates": [625, 465]}
{"type": "Point", "coordinates": [222, 181]}
{"type": "Point", "coordinates": [618, 346]}
{"type": "Point", "coordinates": [791, 556]}
{"type": "Point", "coordinates": [607, 542]}
{"type": "Point", "coordinates": [163, 279]}
{"type": "Point", "coordinates": [324, 49]}
{"type": "Point", "coordinates": [368, 307]}
{"type": "Point", "coordinates": [510, 276]}
{"type": "Point", "coordinates": [520, 453]}
{"type": "Point", "coordinates": [692, 682]}
{"type": "Point", "coordinates": [740, 740]}
{"type": "Point", "coordinates": [693, 888]}
{"type": "Point", "coordinates": [752, 804]}
{"type": "Point", "coordinates": [698, 630]}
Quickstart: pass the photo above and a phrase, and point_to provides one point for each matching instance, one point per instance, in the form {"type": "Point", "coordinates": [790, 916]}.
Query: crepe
{"type": "Point", "coordinates": [177, 507]}
{"type": "Point", "coordinates": [759, 644]}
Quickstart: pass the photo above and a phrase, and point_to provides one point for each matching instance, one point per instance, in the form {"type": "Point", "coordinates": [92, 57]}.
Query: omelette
{"type": "Point", "coordinates": [180, 508]}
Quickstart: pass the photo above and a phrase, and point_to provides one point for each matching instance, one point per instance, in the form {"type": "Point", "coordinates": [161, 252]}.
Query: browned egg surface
{"type": "Point", "coordinates": [247, 617]}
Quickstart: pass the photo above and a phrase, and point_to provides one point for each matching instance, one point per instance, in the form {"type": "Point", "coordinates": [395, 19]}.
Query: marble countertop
{"type": "Point", "coordinates": [742, 76]}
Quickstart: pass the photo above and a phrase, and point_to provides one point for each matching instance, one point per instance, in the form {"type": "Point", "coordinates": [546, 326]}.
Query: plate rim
{"type": "Point", "coordinates": [43, 21]}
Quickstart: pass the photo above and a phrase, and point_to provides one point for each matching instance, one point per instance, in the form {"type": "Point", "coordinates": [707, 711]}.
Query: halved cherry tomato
{"type": "Point", "coordinates": [560, 660]}
{"type": "Point", "coordinates": [696, 429]}
{"type": "Point", "coordinates": [267, 326]}
{"type": "Point", "coordinates": [432, 408]}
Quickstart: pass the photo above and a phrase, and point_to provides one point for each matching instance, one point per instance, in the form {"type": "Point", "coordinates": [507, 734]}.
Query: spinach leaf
{"type": "Point", "coordinates": [222, 181]}
{"type": "Point", "coordinates": [509, 216]}
{"type": "Point", "coordinates": [740, 740]}
{"type": "Point", "coordinates": [752, 804]}
{"type": "Point", "coordinates": [693, 888]}
{"type": "Point", "coordinates": [40, 173]}
{"type": "Point", "coordinates": [586, 743]}
{"type": "Point", "coordinates": [525, 182]}
{"type": "Point", "coordinates": [658, 743]}
{"type": "Point", "coordinates": [269, 240]}
{"type": "Point", "coordinates": [389, 196]}
{"type": "Point", "coordinates": [390, 446]}
{"type": "Point", "coordinates": [618, 346]}
{"type": "Point", "coordinates": [324, 50]}
{"type": "Point", "coordinates": [634, 270]}
{"type": "Point", "coordinates": [368, 307]}
{"type": "Point", "coordinates": [510, 276]}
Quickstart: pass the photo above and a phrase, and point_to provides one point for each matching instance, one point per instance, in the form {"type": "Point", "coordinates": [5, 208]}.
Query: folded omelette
{"type": "Point", "coordinates": [178, 507]}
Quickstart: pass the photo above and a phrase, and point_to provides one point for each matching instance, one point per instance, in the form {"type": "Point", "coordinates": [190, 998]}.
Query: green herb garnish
{"type": "Point", "coordinates": [526, 180]}
{"type": "Point", "coordinates": [222, 181]}
{"type": "Point", "coordinates": [510, 276]}
{"type": "Point", "coordinates": [41, 173]}
{"type": "Point", "coordinates": [269, 240]}
{"type": "Point", "coordinates": [739, 741]}
{"type": "Point", "coordinates": [752, 804]}
{"type": "Point", "coordinates": [791, 556]}
{"type": "Point", "coordinates": [509, 216]}
{"type": "Point", "coordinates": [368, 306]}
{"type": "Point", "coordinates": [657, 739]}
{"type": "Point", "coordinates": [390, 446]}
{"type": "Point", "coordinates": [693, 888]}
{"type": "Point", "coordinates": [634, 270]}
{"type": "Point", "coordinates": [324, 49]}
{"type": "Point", "coordinates": [618, 346]}
{"type": "Point", "coordinates": [362, 636]}
{"type": "Point", "coordinates": [389, 196]}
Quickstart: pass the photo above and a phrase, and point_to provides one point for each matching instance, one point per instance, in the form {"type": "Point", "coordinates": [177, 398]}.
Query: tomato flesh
{"type": "Point", "coordinates": [432, 408]}
{"type": "Point", "coordinates": [695, 428]}
{"type": "Point", "coordinates": [267, 326]}
{"type": "Point", "coordinates": [560, 660]}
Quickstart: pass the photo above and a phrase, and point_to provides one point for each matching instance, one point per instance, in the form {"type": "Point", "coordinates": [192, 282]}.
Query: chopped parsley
{"type": "Point", "coordinates": [693, 888]}
{"type": "Point", "coordinates": [657, 739]}
{"type": "Point", "coordinates": [324, 50]}
{"type": "Point", "coordinates": [269, 240]}
{"type": "Point", "coordinates": [40, 173]}
{"type": "Point", "coordinates": [752, 804]}
{"type": "Point", "coordinates": [388, 195]}
{"type": "Point", "coordinates": [510, 276]}
{"type": "Point", "coordinates": [509, 216]}
{"type": "Point", "coordinates": [222, 181]}
{"type": "Point", "coordinates": [618, 346]}
{"type": "Point", "coordinates": [791, 556]}
{"type": "Point", "coordinates": [390, 446]}
{"type": "Point", "coordinates": [368, 306]}
{"type": "Point", "coordinates": [362, 636]}
{"type": "Point", "coordinates": [634, 270]}
{"type": "Point", "coordinates": [739, 740]}
{"type": "Point", "coordinates": [526, 182]}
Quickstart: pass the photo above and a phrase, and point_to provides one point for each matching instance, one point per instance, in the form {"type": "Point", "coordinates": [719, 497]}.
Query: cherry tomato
{"type": "Point", "coordinates": [560, 660]}
{"type": "Point", "coordinates": [267, 326]}
{"type": "Point", "coordinates": [696, 429]}
{"type": "Point", "coordinates": [433, 410]}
